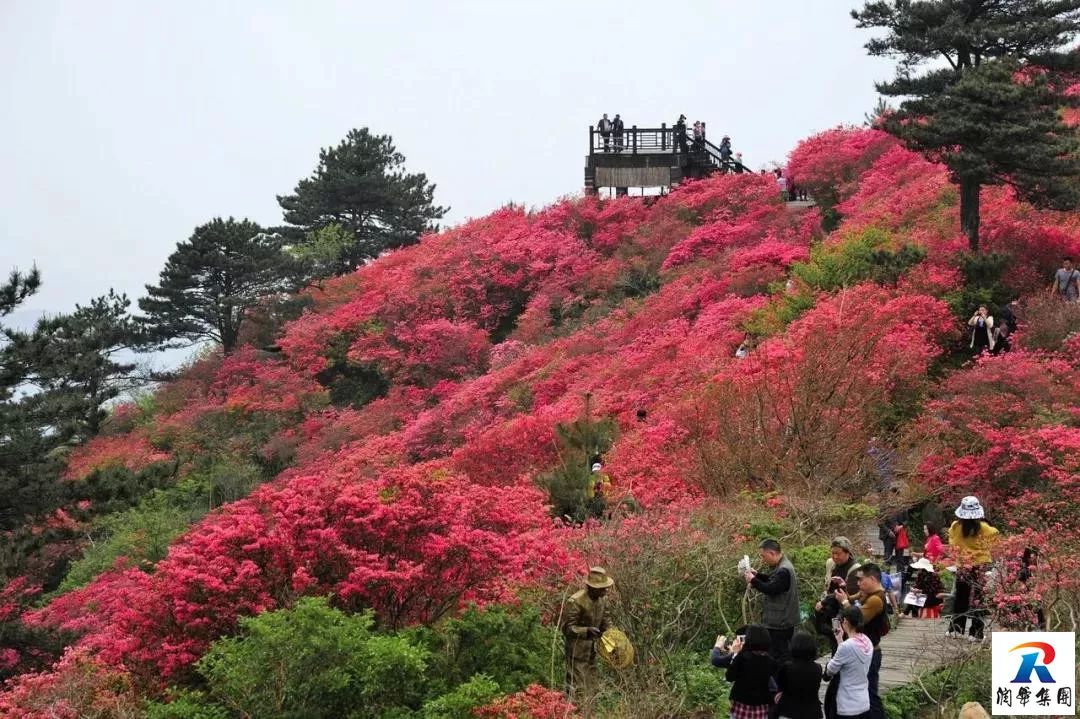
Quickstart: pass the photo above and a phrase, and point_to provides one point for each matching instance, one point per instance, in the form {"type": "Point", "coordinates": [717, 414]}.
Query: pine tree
{"type": "Point", "coordinates": [362, 186]}
{"type": "Point", "coordinates": [991, 114]}
{"type": "Point", "coordinates": [71, 367]}
{"type": "Point", "coordinates": [17, 288]}
{"type": "Point", "coordinates": [211, 280]}
{"type": "Point", "coordinates": [54, 384]}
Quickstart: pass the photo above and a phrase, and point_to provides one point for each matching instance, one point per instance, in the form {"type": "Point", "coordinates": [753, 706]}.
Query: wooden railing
{"type": "Point", "coordinates": [636, 140]}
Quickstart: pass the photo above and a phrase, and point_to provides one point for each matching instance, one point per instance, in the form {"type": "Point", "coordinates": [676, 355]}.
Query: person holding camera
{"type": "Point", "coordinates": [848, 670]}
{"type": "Point", "coordinates": [780, 606]}
{"type": "Point", "coordinates": [839, 574]}
{"type": "Point", "coordinates": [751, 673]}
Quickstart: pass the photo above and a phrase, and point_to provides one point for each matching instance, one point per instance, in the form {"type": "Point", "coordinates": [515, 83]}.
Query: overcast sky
{"type": "Point", "coordinates": [127, 123]}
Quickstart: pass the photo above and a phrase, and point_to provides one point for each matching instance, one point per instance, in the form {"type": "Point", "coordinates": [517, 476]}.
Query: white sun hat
{"type": "Point", "coordinates": [970, 509]}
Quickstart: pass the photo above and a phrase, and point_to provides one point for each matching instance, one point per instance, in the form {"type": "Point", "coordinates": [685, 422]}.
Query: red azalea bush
{"type": "Point", "coordinates": [78, 687]}
{"type": "Point", "coordinates": [533, 702]}
{"type": "Point", "coordinates": [132, 451]}
{"type": "Point", "coordinates": [412, 544]}
{"type": "Point", "coordinates": [829, 163]}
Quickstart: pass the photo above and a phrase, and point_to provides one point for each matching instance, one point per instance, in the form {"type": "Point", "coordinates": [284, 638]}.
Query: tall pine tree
{"type": "Point", "coordinates": [211, 280]}
{"type": "Point", "coordinates": [362, 186]}
{"type": "Point", "coordinates": [991, 114]}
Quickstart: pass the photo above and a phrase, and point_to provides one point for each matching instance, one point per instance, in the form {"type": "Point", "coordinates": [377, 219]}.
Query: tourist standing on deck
{"type": "Point", "coordinates": [605, 131]}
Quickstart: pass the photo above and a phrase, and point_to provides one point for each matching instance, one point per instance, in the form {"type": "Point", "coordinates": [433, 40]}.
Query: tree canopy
{"type": "Point", "coordinates": [55, 381]}
{"type": "Point", "coordinates": [991, 114]}
{"type": "Point", "coordinates": [211, 280]}
{"type": "Point", "coordinates": [362, 186]}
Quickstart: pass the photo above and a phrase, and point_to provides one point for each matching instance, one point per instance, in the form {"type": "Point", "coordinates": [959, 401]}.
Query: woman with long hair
{"type": "Point", "coordinates": [971, 540]}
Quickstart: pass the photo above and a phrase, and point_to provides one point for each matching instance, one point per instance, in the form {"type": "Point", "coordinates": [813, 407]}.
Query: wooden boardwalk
{"type": "Point", "coordinates": [913, 646]}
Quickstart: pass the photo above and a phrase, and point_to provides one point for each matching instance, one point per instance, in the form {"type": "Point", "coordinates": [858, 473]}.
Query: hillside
{"type": "Point", "coordinates": [388, 439]}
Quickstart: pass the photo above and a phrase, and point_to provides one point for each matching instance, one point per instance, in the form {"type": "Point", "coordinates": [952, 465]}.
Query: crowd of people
{"type": "Point", "coordinates": [772, 665]}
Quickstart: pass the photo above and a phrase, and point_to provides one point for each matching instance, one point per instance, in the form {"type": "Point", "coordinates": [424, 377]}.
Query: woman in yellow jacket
{"type": "Point", "coordinates": [970, 539]}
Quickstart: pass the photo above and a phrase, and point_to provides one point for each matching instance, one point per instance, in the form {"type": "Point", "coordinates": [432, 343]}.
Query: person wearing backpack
{"type": "Point", "coordinates": [871, 600]}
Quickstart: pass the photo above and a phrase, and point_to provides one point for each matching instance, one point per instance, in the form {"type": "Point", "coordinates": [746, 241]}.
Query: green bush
{"type": "Point", "coordinates": [699, 685]}
{"type": "Point", "coordinates": [141, 534]}
{"type": "Point", "coordinates": [509, 646]}
{"type": "Point", "coordinates": [950, 686]}
{"type": "Point", "coordinates": [459, 703]}
{"type": "Point", "coordinates": [866, 256]}
{"type": "Point", "coordinates": [187, 705]}
{"type": "Point", "coordinates": [983, 284]}
{"type": "Point", "coordinates": [780, 311]}
{"type": "Point", "coordinates": [315, 661]}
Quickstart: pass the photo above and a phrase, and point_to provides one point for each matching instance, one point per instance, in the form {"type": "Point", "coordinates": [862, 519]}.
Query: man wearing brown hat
{"type": "Point", "coordinates": [584, 620]}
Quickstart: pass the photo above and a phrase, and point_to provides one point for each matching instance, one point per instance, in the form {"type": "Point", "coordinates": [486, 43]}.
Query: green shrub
{"type": "Point", "coordinates": [866, 256]}
{"type": "Point", "coordinates": [459, 703]}
{"type": "Point", "coordinates": [509, 646]}
{"type": "Point", "coordinates": [983, 284]}
{"type": "Point", "coordinates": [313, 660]}
{"type": "Point", "coordinates": [780, 311]}
{"type": "Point", "coordinates": [699, 686]}
{"type": "Point", "coordinates": [141, 534]}
{"type": "Point", "coordinates": [187, 705]}
{"type": "Point", "coordinates": [952, 685]}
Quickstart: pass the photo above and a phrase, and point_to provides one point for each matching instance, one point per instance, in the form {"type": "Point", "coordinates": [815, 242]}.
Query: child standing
{"type": "Point", "coordinates": [751, 672]}
{"type": "Point", "coordinates": [798, 681]}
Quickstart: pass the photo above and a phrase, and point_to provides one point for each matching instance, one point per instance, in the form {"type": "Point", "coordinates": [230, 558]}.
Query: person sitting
{"type": "Point", "coordinates": [751, 675]}
{"type": "Point", "coordinates": [799, 680]}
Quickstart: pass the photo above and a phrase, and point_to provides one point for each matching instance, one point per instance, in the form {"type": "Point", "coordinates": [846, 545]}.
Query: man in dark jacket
{"type": "Point", "coordinates": [680, 135]}
{"type": "Point", "coordinates": [617, 131]}
{"type": "Point", "coordinates": [780, 606]}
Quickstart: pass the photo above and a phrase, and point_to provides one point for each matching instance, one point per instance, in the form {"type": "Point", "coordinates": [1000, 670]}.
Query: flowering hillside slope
{"type": "Point", "coordinates": [387, 456]}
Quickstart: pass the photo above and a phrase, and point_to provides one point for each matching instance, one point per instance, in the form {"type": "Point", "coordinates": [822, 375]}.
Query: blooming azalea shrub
{"type": "Point", "coordinates": [1048, 323]}
{"type": "Point", "coordinates": [829, 164]}
{"type": "Point", "coordinates": [131, 451]}
{"type": "Point", "coordinates": [812, 398]}
{"type": "Point", "coordinates": [533, 702]}
{"type": "Point", "coordinates": [79, 687]}
{"type": "Point", "coordinates": [411, 545]}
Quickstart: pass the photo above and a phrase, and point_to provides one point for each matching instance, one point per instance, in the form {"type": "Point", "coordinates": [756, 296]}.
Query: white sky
{"type": "Point", "coordinates": [125, 124]}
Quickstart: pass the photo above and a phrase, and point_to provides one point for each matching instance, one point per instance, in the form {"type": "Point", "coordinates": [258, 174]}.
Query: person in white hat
{"type": "Point", "coordinates": [596, 493]}
{"type": "Point", "coordinates": [584, 620]}
{"type": "Point", "coordinates": [971, 540]}
{"type": "Point", "coordinates": [927, 584]}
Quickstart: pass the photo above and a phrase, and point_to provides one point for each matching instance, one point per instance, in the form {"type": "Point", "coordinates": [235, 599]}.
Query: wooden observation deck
{"type": "Point", "coordinates": [650, 157]}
